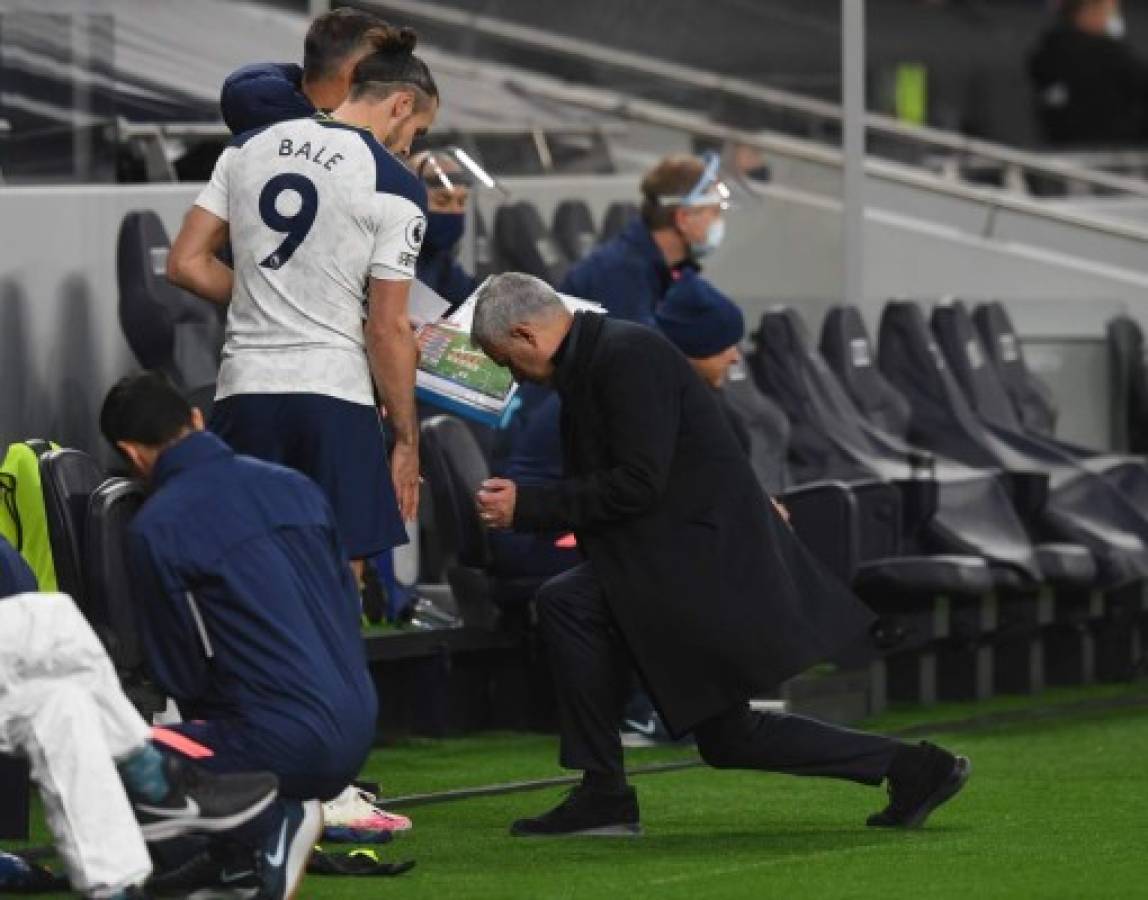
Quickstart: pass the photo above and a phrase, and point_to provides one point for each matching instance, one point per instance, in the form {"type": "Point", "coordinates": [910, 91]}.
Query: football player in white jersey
{"type": "Point", "coordinates": [325, 223]}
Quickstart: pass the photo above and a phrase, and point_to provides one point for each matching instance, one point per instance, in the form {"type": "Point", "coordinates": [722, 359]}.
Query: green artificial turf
{"type": "Point", "coordinates": [1055, 808]}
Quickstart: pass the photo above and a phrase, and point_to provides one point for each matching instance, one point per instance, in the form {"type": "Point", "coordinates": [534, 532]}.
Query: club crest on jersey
{"type": "Point", "coordinates": [416, 229]}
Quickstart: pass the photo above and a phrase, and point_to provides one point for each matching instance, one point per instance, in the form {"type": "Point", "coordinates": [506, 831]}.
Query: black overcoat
{"type": "Point", "coordinates": [715, 597]}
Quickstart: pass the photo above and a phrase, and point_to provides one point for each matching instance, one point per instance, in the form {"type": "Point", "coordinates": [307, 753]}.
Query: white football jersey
{"type": "Point", "coordinates": [315, 208]}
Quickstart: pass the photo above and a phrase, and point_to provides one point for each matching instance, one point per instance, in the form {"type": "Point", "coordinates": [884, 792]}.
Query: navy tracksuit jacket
{"type": "Point", "coordinates": [250, 611]}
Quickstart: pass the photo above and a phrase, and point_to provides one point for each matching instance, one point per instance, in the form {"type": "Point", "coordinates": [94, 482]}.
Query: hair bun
{"type": "Point", "coordinates": [400, 41]}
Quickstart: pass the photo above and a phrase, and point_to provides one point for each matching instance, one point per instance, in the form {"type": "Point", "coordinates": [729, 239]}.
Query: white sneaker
{"type": "Point", "coordinates": [353, 818]}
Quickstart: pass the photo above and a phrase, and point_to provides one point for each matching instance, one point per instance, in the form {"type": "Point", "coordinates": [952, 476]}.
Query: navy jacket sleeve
{"type": "Point", "coordinates": [177, 654]}
{"type": "Point", "coordinates": [15, 575]}
{"type": "Point", "coordinates": [263, 94]}
{"type": "Point", "coordinates": [575, 283]}
{"type": "Point", "coordinates": [619, 286]}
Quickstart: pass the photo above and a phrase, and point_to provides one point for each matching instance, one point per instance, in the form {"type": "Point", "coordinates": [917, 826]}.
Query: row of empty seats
{"type": "Point", "coordinates": [1017, 526]}
{"type": "Point", "coordinates": [524, 243]}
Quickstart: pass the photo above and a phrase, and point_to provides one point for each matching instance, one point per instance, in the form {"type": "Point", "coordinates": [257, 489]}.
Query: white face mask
{"type": "Point", "coordinates": [715, 234]}
{"type": "Point", "coordinates": [1115, 26]}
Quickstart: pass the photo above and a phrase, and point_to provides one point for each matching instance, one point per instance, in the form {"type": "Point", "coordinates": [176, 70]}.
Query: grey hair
{"type": "Point", "coordinates": [507, 300]}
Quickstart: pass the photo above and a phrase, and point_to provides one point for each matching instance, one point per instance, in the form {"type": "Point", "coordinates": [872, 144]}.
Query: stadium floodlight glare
{"type": "Point", "coordinates": [441, 175]}
{"type": "Point", "coordinates": [475, 169]}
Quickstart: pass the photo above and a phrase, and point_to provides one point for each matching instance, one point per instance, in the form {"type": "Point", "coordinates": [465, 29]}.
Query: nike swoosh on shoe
{"type": "Point", "coordinates": [189, 808]}
{"type": "Point", "coordinates": [646, 728]}
{"type": "Point", "coordinates": [276, 859]}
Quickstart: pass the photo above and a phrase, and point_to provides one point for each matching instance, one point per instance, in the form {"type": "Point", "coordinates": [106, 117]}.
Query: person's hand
{"type": "Point", "coordinates": [495, 502]}
{"type": "Point", "coordinates": [405, 475]}
{"type": "Point", "coordinates": [781, 510]}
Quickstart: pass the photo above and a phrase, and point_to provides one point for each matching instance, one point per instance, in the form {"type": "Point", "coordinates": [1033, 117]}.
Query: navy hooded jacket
{"type": "Point", "coordinates": [263, 94]}
{"type": "Point", "coordinates": [628, 275]}
{"type": "Point", "coordinates": [250, 613]}
{"type": "Point", "coordinates": [15, 575]}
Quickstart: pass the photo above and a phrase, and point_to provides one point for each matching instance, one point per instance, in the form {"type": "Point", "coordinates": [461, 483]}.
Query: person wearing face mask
{"type": "Point", "coordinates": [265, 93]}
{"type": "Point", "coordinates": [682, 221]}
{"type": "Point", "coordinates": [448, 191]}
{"type": "Point", "coordinates": [1091, 87]}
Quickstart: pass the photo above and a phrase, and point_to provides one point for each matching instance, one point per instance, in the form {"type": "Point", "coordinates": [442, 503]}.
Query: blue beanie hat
{"type": "Point", "coordinates": [698, 318]}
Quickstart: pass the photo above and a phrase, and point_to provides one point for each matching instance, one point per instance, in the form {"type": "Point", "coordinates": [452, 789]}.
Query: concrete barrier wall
{"type": "Point", "coordinates": [61, 346]}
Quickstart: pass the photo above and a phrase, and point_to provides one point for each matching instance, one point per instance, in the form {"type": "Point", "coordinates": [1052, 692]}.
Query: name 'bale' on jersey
{"type": "Point", "coordinates": [315, 208]}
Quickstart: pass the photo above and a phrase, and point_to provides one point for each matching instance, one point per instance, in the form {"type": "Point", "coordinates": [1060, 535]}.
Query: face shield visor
{"type": "Point", "coordinates": [710, 189]}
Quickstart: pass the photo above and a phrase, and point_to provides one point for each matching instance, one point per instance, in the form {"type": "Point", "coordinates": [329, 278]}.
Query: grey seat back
{"type": "Point", "coordinates": [1129, 384]}
{"type": "Point", "coordinates": [767, 427]}
{"type": "Point", "coordinates": [523, 243]}
{"type": "Point", "coordinates": [953, 330]}
{"type": "Point", "coordinates": [941, 420]}
{"type": "Point", "coordinates": [166, 327]}
{"type": "Point", "coordinates": [1031, 397]}
{"type": "Point", "coordinates": [617, 216]}
{"type": "Point", "coordinates": [846, 347]}
{"type": "Point", "coordinates": [574, 229]}
{"type": "Point", "coordinates": [827, 437]}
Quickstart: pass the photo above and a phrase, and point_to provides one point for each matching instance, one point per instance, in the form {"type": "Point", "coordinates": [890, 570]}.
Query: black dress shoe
{"type": "Point", "coordinates": [586, 812]}
{"type": "Point", "coordinates": [920, 779]}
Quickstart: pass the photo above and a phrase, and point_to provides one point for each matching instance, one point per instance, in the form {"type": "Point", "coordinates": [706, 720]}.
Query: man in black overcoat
{"type": "Point", "coordinates": [690, 575]}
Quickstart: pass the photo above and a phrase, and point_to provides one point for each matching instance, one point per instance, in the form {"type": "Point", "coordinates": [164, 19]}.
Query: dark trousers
{"type": "Point", "coordinates": [591, 670]}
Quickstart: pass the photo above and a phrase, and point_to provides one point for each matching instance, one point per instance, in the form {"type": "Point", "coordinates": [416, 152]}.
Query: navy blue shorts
{"type": "Point", "coordinates": [339, 444]}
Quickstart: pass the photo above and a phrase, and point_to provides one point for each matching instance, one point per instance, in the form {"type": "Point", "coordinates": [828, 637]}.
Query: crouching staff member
{"type": "Point", "coordinates": [667, 510]}
{"type": "Point", "coordinates": [250, 616]}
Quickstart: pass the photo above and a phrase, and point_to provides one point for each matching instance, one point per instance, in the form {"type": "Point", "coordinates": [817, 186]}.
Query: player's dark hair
{"type": "Point", "coordinates": [392, 66]}
{"type": "Point", "coordinates": [144, 409]}
{"type": "Point", "coordinates": [337, 34]}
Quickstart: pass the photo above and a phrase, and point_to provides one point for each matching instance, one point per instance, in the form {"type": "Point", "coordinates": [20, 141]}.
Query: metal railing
{"type": "Point", "coordinates": [927, 138]}
{"type": "Point", "coordinates": [619, 106]}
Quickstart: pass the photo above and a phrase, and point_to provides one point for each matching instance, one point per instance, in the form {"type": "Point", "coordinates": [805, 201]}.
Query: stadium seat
{"type": "Point", "coordinates": [1077, 506]}
{"type": "Point", "coordinates": [949, 509]}
{"type": "Point", "coordinates": [69, 477]}
{"type": "Point", "coordinates": [1065, 608]}
{"type": "Point", "coordinates": [929, 590]}
{"type": "Point", "coordinates": [1129, 384]}
{"type": "Point", "coordinates": [523, 243]}
{"type": "Point", "coordinates": [112, 608]}
{"type": "Point", "coordinates": [846, 348]}
{"type": "Point", "coordinates": [455, 467]}
{"type": "Point", "coordinates": [167, 328]}
{"type": "Point", "coordinates": [846, 345]}
{"type": "Point", "coordinates": [618, 216]}
{"type": "Point", "coordinates": [483, 252]}
{"type": "Point", "coordinates": [965, 354]}
{"type": "Point", "coordinates": [1031, 397]}
{"type": "Point", "coordinates": [767, 427]}
{"type": "Point", "coordinates": [574, 229]}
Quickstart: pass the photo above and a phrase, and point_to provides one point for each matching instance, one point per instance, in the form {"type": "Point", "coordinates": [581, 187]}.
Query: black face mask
{"type": "Point", "coordinates": [444, 231]}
